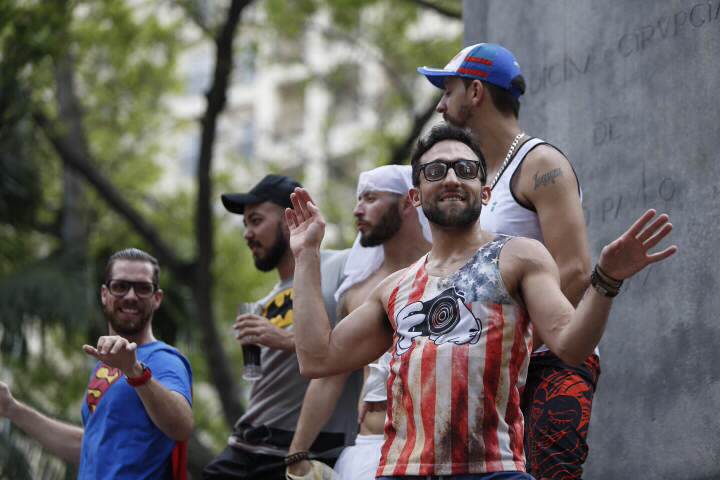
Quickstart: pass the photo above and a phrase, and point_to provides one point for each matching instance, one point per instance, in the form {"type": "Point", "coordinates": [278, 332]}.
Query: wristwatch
{"type": "Point", "coordinates": [142, 379]}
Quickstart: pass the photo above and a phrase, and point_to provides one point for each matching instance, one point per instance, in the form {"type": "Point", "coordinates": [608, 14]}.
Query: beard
{"type": "Point", "coordinates": [274, 254]}
{"type": "Point", "coordinates": [386, 228]}
{"type": "Point", "coordinates": [462, 118]}
{"type": "Point", "coordinates": [454, 216]}
{"type": "Point", "coordinates": [125, 327]}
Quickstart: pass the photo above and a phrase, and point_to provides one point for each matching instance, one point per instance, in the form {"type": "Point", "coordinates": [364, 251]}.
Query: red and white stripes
{"type": "Point", "coordinates": [455, 408]}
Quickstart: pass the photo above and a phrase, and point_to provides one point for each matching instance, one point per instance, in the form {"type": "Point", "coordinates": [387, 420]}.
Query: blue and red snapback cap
{"type": "Point", "coordinates": [488, 62]}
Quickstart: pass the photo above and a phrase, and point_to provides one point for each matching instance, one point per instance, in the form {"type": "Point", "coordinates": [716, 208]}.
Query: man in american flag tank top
{"type": "Point", "coordinates": [458, 320]}
{"type": "Point", "coordinates": [535, 194]}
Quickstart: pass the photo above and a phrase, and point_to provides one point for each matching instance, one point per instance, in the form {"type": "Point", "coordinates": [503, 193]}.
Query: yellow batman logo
{"type": "Point", "coordinates": [279, 309]}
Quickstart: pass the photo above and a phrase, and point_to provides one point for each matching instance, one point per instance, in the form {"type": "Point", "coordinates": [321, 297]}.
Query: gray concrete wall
{"type": "Point", "coordinates": [629, 91]}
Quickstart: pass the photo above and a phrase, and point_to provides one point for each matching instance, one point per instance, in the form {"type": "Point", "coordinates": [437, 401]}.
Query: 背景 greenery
{"type": "Point", "coordinates": [84, 117]}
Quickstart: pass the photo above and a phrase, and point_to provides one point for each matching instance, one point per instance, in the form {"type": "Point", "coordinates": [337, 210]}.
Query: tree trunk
{"type": "Point", "coordinates": [220, 369]}
{"type": "Point", "coordinates": [74, 221]}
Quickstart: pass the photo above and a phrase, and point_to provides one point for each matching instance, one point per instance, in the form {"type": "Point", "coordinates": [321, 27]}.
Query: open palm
{"type": "Point", "coordinates": [629, 254]}
{"type": "Point", "coordinates": [306, 223]}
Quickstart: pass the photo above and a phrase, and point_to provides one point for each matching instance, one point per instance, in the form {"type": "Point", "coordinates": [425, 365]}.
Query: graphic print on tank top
{"type": "Point", "coordinates": [460, 356]}
{"type": "Point", "coordinates": [446, 318]}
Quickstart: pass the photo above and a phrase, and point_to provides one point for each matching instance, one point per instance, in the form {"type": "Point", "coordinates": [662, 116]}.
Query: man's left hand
{"type": "Point", "coordinates": [629, 254]}
{"type": "Point", "coordinates": [116, 351]}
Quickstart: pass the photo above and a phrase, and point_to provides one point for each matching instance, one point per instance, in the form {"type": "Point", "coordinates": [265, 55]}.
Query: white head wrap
{"type": "Point", "coordinates": [364, 261]}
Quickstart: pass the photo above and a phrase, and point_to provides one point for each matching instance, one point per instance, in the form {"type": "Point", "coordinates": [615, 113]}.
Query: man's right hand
{"type": "Point", "coordinates": [312, 470]}
{"type": "Point", "coordinates": [6, 400]}
{"type": "Point", "coordinates": [306, 223]}
{"type": "Point", "coordinates": [253, 329]}
{"type": "Point", "coordinates": [115, 351]}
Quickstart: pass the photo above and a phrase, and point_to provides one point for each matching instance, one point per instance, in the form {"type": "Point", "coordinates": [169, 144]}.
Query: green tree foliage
{"type": "Point", "coordinates": [117, 62]}
{"type": "Point", "coordinates": [377, 32]}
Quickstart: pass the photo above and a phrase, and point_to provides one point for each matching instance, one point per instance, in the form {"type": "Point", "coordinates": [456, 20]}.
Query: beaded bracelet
{"type": "Point", "coordinates": [296, 457]}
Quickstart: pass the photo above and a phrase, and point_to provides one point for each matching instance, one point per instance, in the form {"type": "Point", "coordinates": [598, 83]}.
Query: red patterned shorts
{"type": "Point", "coordinates": [556, 403]}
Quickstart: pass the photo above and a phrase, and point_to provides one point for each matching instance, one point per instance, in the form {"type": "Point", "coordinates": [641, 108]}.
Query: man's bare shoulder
{"type": "Point", "coordinates": [521, 255]}
{"type": "Point", "coordinates": [546, 155]}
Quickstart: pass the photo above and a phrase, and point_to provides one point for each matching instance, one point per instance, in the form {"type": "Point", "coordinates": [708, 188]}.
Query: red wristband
{"type": "Point", "coordinates": [142, 379]}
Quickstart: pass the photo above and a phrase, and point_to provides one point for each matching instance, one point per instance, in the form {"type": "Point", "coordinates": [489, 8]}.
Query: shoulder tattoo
{"type": "Point", "coordinates": [547, 178]}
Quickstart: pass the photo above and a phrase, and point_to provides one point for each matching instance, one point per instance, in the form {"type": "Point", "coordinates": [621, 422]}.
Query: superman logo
{"type": "Point", "coordinates": [279, 310]}
{"type": "Point", "coordinates": [100, 383]}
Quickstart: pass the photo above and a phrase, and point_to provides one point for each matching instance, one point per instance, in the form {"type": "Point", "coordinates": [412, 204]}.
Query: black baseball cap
{"type": "Point", "coordinates": [272, 188]}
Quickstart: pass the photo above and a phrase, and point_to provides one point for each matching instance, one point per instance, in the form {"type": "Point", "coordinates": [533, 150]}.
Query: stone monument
{"type": "Point", "coordinates": [629, 91]}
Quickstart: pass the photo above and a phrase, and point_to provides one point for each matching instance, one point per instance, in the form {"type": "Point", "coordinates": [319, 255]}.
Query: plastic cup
{"type": "Point", "coordinates": [251, 352]}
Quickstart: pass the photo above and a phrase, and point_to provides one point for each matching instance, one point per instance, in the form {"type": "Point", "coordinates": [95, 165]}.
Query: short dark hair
{"type": "Point", "coordinates": [439, 133]}
{"type": "Point", "coordinates": [503, 100]}
{"type": "Point", "coordinates": [133, 255]}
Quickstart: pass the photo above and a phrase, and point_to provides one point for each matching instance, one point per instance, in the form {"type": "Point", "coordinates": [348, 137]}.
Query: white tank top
{"type": "Point", "coordinates": [506, 215]}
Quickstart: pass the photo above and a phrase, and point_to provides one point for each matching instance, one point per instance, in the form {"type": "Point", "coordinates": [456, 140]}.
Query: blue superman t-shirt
{"type": "Point", "coordinates": [120, 440]}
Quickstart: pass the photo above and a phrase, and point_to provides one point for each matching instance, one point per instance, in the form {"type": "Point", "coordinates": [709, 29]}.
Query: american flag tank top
{"type": "Point", "coordinates": [460, 356]}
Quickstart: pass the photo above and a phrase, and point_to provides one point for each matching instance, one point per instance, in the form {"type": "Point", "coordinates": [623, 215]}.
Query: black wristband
{"type": "Point", "coordinates": [607, 278]}
{"type": "Point", "coordinates": [296, 457]}
{"type": "Point", "coordinates": [603, 286]}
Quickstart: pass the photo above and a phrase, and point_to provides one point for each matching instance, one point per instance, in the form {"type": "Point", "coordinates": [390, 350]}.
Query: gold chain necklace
{"type": "Point", "coordinates": [507, 159]}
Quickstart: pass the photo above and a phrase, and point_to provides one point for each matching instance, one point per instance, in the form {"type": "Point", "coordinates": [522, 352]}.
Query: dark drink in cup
{"type": "Point", "coordinates": [251, 362]}
{"type": "Point", "coordinates": [251, 352]}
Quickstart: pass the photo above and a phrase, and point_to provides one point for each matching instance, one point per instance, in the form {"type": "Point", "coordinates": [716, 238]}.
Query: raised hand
{"type": "Point", "coordinates": [306, 223]}
{"type": "Point", "coordinates": [114, 351]}
{"type": "Point", "coordinates": [630, 253]}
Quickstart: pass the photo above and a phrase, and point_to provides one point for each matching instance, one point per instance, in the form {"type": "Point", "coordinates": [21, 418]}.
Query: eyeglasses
{"type": "Point", "coordinates": [437, 169]}
{"type": "Point", "coordinates": [120, 288]}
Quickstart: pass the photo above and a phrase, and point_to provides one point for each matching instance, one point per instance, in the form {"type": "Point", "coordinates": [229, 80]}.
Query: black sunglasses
{"type": "Point", "coordinates": [120, 288]}
{"type": "Point", "coordinates": [437, 169]}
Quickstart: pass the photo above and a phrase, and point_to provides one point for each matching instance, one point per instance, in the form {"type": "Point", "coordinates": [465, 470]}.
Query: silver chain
{"type": "Point", "coordinates": [507, 159]}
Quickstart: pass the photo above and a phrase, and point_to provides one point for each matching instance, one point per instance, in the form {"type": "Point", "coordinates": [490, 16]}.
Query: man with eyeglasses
{"type": "Point", "coordinates": [535, 194]}
{"type": "Point", "coordinates": [458, 320]}
{"type": "Point", "coordinates": [137, 410]}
